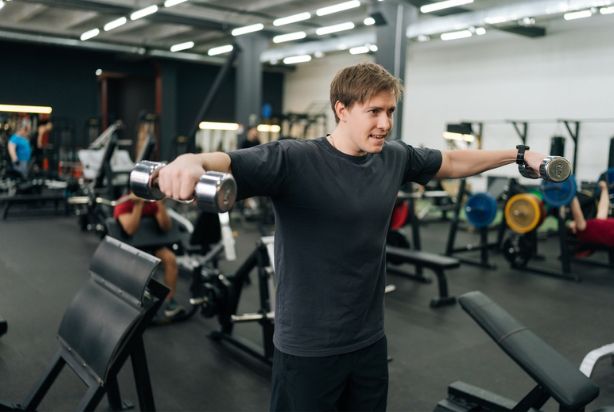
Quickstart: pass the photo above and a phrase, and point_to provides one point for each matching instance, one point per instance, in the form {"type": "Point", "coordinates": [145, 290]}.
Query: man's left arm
{"type": "Point", "coordinates": [463, 163]}
{"type": "Point", "coordinates": [163, 218]}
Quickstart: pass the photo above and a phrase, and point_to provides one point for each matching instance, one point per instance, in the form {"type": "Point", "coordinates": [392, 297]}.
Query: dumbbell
{"type": "Point", "coordinates": [552, 169]}
{"type": "Point", "coordinates": [215, 192]}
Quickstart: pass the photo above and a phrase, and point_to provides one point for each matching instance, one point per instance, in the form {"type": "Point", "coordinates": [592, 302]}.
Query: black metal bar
{"type": "Point", "coordinates": [456, 219]}
{"type": "Point", "coordinates": [525, 130]}
{"type": "Point", "coordinates": [217, 83]}
{"type": "Point", "coordinates": [91, 399]}
{"type": "Point", "coordinates": [575, 136]}
{"type": "Point", "coordinates": [141, 375]}
{"type": "Point", "coordinates": [35, 397]}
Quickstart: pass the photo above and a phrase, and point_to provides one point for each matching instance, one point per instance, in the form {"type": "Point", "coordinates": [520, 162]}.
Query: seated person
{"type": "Point", "coordinates": [19, 148]}
{"type": "Point", "coordinates": [597, 231]}
{"type": "Point", "coordinates": [129, 212]}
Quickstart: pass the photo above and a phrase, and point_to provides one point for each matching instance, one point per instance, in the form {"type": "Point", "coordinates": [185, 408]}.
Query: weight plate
{"type": "Point", "coordinates": [559, 194]}
{"type": "Point", "coordinates": [481, 209]}
{"type": "Point", "coordinates": [524, 212]}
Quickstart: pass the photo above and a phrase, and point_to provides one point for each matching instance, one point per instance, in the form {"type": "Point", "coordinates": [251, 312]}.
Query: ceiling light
{"type": "Point", "coordinates": [497, 19]}
{"type": "Point", "coordinates": [1, 4]}
{"type": "Point", "coordinates": [144, 12]}
{"type": "Point", "coordinates": [171, 3]}
{"type": "Point", "coordinates": [338, 7]}
{"type": "Point", "coordinates": [115, 23]}
{"type": "Point", "coordinates": [440, 5]}
{"type": "Point", "coordinates": [606, 10]}
{"type": "Point", "coordinates": [480, 31]}
{"type": "Point", "coordinates": [369, 21]}
{"type": "Point", "coordinates": [268, 128]}
{"type": "Point", "coordinates": [359, 50]}
{"type": "Point", "coordinates": [334, 28]}
{"type": "Point", "coordinates": [182, 46]}
{"type": "Point", "coordinates": [574, 15]}
{"type": "Point", "coordinates": [373, 47]}
{"type": "Point", "coordinates": [227, 48]}
{"type": "Point", "coordinates": [289, 37]}
{"type": "Point", "coordinates": [247, 29]}
{"type": "Point", "coordinates": [218, 126]}
{"type": "Point", "coordinates": [16, 108]}
{"type": "Point", "coordinates": [297, 59]}
{"type": "Point", "coordinates": [292, 19]}
{"type": "Point", "coordinates": [423, 38]}
{"type": "Point", "coordinates": [98, 72]}
{"type": "Point", "coordinates": [454, 35]}
{"type": "Point", "coordinates": [469, 138]}
{"type": "Point", "coordinates": [318, 54]}
{"type": "Point", "coordinates": [89, 34]}
{"type": "Point", "coordinates": [527, 21]}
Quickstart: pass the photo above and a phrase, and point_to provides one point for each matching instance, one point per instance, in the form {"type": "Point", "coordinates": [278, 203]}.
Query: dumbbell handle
{"type": "Point", "coordinates": [215, 192]}
{"type": "Point", "coordinates": [552, 168]}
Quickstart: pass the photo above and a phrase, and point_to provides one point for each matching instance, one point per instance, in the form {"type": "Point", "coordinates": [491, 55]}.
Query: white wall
{"type": "Point", "coordinates": [567, 74]}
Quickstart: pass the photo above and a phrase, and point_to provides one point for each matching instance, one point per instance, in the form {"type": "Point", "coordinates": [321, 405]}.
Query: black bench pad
{"type": "Point", "coordinates": [419, 257]}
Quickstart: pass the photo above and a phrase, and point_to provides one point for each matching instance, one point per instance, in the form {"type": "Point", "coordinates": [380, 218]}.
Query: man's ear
{"type": "Point", "coordinates": [340, 110]}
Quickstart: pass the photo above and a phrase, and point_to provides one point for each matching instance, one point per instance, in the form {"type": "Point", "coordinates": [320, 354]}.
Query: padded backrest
{"type": "Point", "coordinates": [555, 374]}
{"type": "Point", "coordinates": [104, 312]}
{"type": "Point", "coordinates": [148, 236]}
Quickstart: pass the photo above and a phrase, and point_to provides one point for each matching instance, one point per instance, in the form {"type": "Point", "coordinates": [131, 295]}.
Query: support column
{"type": "Point", "coordinates": [392, 18]}
{"type": "Point", "coordinates": [166, 109]}
{"type": "Point", "coordinates": [249, 79]}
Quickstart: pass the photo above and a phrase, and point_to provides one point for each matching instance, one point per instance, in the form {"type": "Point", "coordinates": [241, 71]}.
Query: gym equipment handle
{"type": "Point", "coordinates": [215, 192]}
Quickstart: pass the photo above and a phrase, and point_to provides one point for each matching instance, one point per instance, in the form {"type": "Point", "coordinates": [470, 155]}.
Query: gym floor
{"type": "Point", "coordinates": [44, 261]}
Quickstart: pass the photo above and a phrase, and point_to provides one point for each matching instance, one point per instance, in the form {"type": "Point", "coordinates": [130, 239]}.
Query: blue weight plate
{"type": "Point", "coordinates": [559, 194]}
{"type": "Point", "coordinates": [481, 209]}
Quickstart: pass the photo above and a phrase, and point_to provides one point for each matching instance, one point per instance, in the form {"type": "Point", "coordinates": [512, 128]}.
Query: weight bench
{"type": "Point", "coordinates": [103, 326]}
{"type": "Point", "coordinates": [555, 376]}
{"type": "Point", "coordinates": [437, 263]}
{"type": "Point", "coordinates": [35, 198]}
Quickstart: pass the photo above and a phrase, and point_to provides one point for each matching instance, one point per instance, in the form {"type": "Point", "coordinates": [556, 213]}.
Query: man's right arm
{"type": "Point", "coordinates": [13, 152]}
{"type": "Point", "coordinates": [179, 178]}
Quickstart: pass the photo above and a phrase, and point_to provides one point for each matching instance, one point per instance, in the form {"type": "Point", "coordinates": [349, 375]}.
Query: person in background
{"type": "Point", "coordinates": [19, 147]}
{"type": "Point", "coordinates": [597, 231]}
{"type": "Point", "coordinates": [129, 212]}
{"type": "Point", "coordinates": [252, 138]}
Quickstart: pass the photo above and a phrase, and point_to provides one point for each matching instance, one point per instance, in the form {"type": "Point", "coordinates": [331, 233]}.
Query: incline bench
{"type": "Point", "coordinates": [555, 376]}
{"type": "Point", "coordinates": [437, 263]}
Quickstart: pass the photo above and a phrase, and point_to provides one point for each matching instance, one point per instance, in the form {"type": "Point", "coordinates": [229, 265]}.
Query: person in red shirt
{"type": "Point", "coordinates": [129, 212]}
{"type": "Point", "coordinates": [597, 231]}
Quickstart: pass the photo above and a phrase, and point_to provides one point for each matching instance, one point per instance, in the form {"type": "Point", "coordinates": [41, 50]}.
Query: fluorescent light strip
{"type": "Point", "coordinates": [289, 37]}
{"type": "Point", "coordinates": [182, 46]}
{"type": "Point", "coordinates": [89, 34]}
{"type": "Point", "coordinates": [247, 29]}
{"type": "Point", "coordinates": [454, 35]}
{"type": "Point", "coordinates": [268, 128]}
{"type": "Point", "coordinates": [574, 15]}
{"type": "Point", "coordinates": [115, 23]}
{"type": "Point", "coordinates": [292, 19]}
{"type": "Point", "coordinates": [227, 48]}
{"type": "Point", "coordinates": [338, 7]}
{"type": "Point", "coordinates": [144, 12]}
{"type": "Point", "coordinates": [428, 8]}
{"type": "Point", "coordinates": [606, 10]}
{"type": "Point", "coordinates": [218, 126]}
{"type": "Point", "coordinates": [335, 28]}
{"type": "Point", "coordinates": [359, 50]}
{"type": "Point", "coordinates": [15, 108]}
{"type": "Point", "coordinates": [497, 19]}
{"type": "Point", "coordinates": [171, 3]}
{"type": "Point", "coordinates": [297, 59]}
{"type": "Point", "coordinates": [458, 136]}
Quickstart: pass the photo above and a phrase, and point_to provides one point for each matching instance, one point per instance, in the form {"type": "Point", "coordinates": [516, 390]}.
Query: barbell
{"type": "Point", "coordinates": [215, 192]}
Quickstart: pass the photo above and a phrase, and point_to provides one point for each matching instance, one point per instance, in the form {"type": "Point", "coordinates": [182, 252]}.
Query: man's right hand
{"type": "Point", "coordinates": [178, 179]}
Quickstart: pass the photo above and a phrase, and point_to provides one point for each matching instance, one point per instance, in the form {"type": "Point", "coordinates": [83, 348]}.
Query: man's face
{"type": "Point", "coordinates": [370, 122]}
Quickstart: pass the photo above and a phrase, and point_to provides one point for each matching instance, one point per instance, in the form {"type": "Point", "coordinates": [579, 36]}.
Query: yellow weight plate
{"type": "Point", "coordinates": [524, 213]}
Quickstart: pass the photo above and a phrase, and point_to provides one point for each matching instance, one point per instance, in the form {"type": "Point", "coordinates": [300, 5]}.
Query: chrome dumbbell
{"type": "Point", "coordinates": [553, 168]}
{"type": "Point", "coordinates": [215, 192]}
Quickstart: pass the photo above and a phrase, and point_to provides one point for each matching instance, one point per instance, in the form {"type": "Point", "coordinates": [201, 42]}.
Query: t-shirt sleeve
{"type": "Point", "coordinates": [422, 164]}
{"type": "Point", "coordinates": [259, 170]}
{"type": "Point", "coordinates": [122, 208]}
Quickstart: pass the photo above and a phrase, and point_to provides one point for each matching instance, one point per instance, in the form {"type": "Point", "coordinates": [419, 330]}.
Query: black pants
{"type": "Point", "coordinates": [355, 381]}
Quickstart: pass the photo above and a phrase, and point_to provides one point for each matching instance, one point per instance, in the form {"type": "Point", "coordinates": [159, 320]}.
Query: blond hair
{"type": "Point", "coordinates": [359, 83]}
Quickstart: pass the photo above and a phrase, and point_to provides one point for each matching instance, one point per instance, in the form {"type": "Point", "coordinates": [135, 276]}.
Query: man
{"type": "Point", "coordinates": [333, 198]}
{"type": "Point", "coordinates": [597, 231]}
{"type": "Point", "coordinates": [19, 147]}
{"type": "Point", "coordinates": [129, 212]}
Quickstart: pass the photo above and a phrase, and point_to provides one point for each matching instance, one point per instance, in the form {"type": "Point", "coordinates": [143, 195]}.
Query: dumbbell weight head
{"type": "Point", "coordinates": [143, 180]}
{"type": "Point", "coordinates": [552, 169]}
{"type": "Point", "coordinates": [216, 192]}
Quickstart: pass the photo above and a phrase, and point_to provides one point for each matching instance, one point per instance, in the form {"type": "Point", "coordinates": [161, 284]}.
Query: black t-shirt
{"type": "Point", "coordinates": [331, 215]}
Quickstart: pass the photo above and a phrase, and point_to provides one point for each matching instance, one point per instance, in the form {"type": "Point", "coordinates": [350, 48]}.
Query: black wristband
{"type": "Point", "coordinates": [520, 155]}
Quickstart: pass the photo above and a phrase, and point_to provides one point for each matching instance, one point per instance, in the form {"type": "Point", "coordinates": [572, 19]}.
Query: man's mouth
{"type": "Point", "coordinates": [378, 136]}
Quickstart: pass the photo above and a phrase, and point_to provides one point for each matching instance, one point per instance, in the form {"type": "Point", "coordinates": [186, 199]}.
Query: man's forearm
{"type": "Point", "coordinates": [462, 163]}
{"type": "Point", "coordinates": [217, 161]}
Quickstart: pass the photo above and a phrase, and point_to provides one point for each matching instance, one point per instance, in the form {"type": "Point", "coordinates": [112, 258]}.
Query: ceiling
{"type": "Point", "coordinates": [208, 23]}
